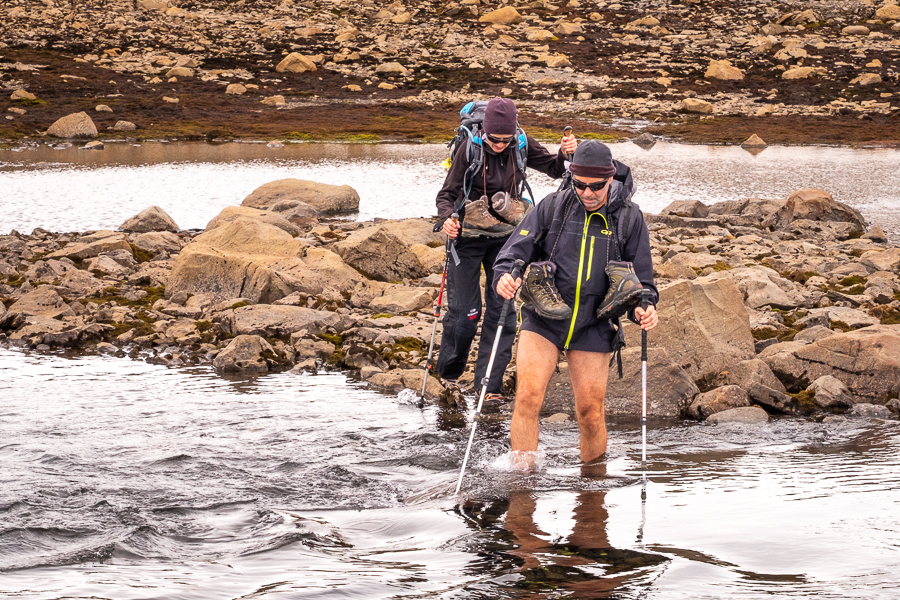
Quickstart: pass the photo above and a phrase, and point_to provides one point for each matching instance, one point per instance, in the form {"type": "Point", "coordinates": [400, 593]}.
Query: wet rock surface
{"type": "Point", "coordinates": [699, 71]}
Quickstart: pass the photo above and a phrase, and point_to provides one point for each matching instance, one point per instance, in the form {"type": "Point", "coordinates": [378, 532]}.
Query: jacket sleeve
{"type": "Point", "coordinates": [552, 165]}
{"type": "Point", "coordinates": [637, 250]}
{"type": "Point", "coordinates": [521, 245]}
{"type": "Point", "coordinates": [451, 192]}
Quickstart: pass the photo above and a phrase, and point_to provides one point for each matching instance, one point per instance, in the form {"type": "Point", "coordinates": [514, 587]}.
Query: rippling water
{"type": "Point", "coordinates": [120, 479]}
{"type": "Point", "coordinates": [76, 190]}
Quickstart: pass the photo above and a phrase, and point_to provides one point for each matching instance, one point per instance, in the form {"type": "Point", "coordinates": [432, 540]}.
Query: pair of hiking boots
{"type": "Point", "coordinates": [539, 290]}
{"type": "Point", "coordinates": [511, 210]}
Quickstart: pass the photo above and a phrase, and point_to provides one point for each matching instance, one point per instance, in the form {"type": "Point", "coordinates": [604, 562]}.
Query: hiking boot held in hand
{"type": "Point", "coordinates": [539, 290]}
{"type": "Point", "coordinates": [624, 291]}
{"type": "Point", "coordinates": [510, 209]}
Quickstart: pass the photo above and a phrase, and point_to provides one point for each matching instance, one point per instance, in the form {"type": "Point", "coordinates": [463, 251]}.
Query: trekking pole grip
{"type": "Point", "coordinates": [516, 272]}
{"type": "Point", "coordinates": [645, 302]}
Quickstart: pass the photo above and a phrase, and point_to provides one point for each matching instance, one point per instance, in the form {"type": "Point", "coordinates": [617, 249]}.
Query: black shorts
{"type": "Point", "coordinates": [599, 336]}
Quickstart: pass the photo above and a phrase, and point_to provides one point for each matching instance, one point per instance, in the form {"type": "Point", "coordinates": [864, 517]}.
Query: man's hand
{"type": "Point", "coordinates": [507, 287]}
{"type": "Point", "coordinates": [568, 145]}
{"type": "Point", "coordinates": [451, 228]}
{"type": "Point", "coordinates": [648, 319]}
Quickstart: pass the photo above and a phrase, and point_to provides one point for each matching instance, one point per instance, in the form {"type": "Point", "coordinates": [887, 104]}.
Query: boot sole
{"type": "Point", "coordinates": [630, 301]}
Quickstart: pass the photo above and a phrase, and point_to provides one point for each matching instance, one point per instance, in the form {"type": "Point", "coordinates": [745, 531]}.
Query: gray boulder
{"type": "Point", "coordinates": [746, 415]}
{"type": "Point", "coordinates": [717, 400]}
{"type": "Point", "coordinates": [814, 205]}
{"type": "Point", "coordinates": [273, 319]}
{"type": "Point", "coordinates": [150, 219]}
{"type": "Point", "coordinates": [246, 353]}
{"type": "Point", "coordinates": [829, 393]}
{"type": "Point", "coordinates": [869, 411]}
{"type": "Point", "coordinates": [42, 301]}
{"type": "Point", "coordinates": [380, 255]}
{"type": "Point", "coordinates": [321, 196]}
{"type": "Point", "coordinates": [399, 299]}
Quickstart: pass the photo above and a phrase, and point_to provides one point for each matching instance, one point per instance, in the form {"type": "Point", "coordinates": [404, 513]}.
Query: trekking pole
{"type": "Point", "coordinates": [645, 301]}
{"type": "Point", "coordinates": [516, 272]}
{"type": "Point", "coordinates": [437, 314]}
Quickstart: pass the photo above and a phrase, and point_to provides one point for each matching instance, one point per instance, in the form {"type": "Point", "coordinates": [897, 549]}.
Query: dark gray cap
{"type": "Point", "coordinates": [593, 159]}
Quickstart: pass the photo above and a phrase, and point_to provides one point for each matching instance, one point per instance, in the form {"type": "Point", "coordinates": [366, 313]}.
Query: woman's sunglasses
{"type": "Point", "coordinates": [595, 187]}
{"type": "Point", "coordinates": [498, 140]}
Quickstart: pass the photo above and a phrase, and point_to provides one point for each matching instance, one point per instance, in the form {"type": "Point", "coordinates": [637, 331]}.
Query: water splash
{"type": "Point", "coordinates": [519, 461]}
{"type": "Point", "coordinates": [411, 397]}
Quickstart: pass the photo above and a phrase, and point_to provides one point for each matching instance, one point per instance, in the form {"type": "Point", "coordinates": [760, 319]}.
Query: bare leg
{"type": "Point", "coordinates": [589, 372]}
{"type": "Point", "coordinates": [535, 362]}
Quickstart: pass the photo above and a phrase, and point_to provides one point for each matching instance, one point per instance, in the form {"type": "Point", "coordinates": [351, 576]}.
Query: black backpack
{"type": "Point", "coordinates": [469, 133]}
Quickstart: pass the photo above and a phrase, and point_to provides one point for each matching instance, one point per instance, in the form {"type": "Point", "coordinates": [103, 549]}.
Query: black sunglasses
{"type": "Point", "coordinates": [497, 140]}
{"type": "Point", "coordinates": [595, 187]}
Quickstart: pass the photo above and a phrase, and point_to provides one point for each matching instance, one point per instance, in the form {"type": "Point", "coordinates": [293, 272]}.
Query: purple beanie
{"type": "Point", "coordinates": [500, 117]}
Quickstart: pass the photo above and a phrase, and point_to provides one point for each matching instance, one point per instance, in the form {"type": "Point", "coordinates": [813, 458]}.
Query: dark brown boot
{"type": "Point", "coordinates": [539, 290]}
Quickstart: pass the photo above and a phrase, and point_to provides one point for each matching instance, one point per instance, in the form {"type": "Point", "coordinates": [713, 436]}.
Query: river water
{"type": "Point", "coordinates": [125, 480]}
{"type": "Point", "coordinates": [77, 190]}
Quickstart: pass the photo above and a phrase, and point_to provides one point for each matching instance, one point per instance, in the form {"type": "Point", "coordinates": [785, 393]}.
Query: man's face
{"type": "Point", "coordinates": [592, 191]}
{"type": "Point", "coordinates": [498, 142]}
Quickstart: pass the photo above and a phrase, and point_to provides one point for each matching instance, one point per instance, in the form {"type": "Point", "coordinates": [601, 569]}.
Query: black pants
{"type": "Point", "coordinates": [461, 320]}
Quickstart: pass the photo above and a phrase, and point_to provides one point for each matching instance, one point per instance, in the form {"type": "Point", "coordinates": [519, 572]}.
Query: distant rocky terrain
{"type": "Point", "coordinates": [792, 71]}
{"type": "Point", "coordinates": [787, 306]}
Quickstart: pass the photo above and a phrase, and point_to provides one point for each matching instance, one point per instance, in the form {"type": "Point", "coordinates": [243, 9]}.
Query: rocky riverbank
{"type": "Point", "coordinates": [801, 71]}
{"type": "Point", "coordinates": [767, 306]}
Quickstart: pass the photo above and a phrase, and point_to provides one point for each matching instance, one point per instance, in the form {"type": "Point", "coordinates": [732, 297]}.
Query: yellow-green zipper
{"type": "Point", "coordinates": [587, 223]}
{"type": "Point", "coordinates": [590, 260]}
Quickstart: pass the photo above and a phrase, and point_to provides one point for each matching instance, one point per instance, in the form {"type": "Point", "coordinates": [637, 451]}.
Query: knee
{"type": "Point", "coordinates": [528, 401]}
{"type": "Point", "coordinates": [592, 418]}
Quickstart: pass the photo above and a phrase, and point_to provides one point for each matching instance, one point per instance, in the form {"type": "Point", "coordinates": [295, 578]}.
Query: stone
{"type": "Point", "coordinates": [296, 212]}
{"type": "Point", "coordinates": [754, 141]}
{"type": "Point", "coordinates": [245, 353]}
{"type": "Point", "coordinates": [273, 100]}
{"type": "Point", "coordinates": [855, 30]}
{"type": "Point", "coordinates": [153, 218]}
{"type": "Point", "coordinates": [180, 72]}
{"type": "Point", "coordinates": [76, 125]}
{"type": "Point", "coordinates": [866, 360]}
{"type": "Point", "coordinates": [867, 79]}
{"type": "Point", "coordinates": [803, 73]}
{"type": "Point", "coordinates": [157, 241]}
{"type": "Point", "coordinates": [105, 265]}
{"type": "Point", "coordinates": [888, 11]}
{"type": "Point", "coordinates": [686, 208]}
{"type": "Point", "coordinates": [557, 61]}
{"type": "Point", "coordinates": [380, 254]}
{"type": "Point", "coordinates": [399, 379]}
{"type": "Point", "coordinates": [502, 16]}
{"type": "Point", "coordinates": [93, 146]}
{"type": "Point", "coordinates": [866, 410]}
{"type": "Point", "coordinates": [231, 213]}
{"type": "Point", "coordinates": [760, 287]}
{"type": "Point", "coordinates": [43, 301]}
{"type": "Point", "coordinates": [328, 199]}
{"type": "Point", "coordinates": [746, 415]}
{"type": "Point", "coordinates": [431, 258]}
{"type": "Point", "coordinates": [103, 108]}
{"type": "Point", "coordinates": [644, 22]}
{"type": "Point", "coordinates": [567, 29]}
{"type": "Point", "coordinates": [401, 300]}
{"type": "Point", "coordinates": [22, 95]}
{"type": "Point", "coordinates": [723, 69]}
{"type": "Point", "coordinates": [694, 260]}
{"type": "Point", "coordinates": [93, 244]}
{"type": "Point", "coordinates": [813, 334]}
{"type": "Point", "coordinates": [876, 234]}
{"type": "Point", "coordinates": [124, 126]}
{"type": "Point", "coordinates": [296, 63]}
{"type": "Point", "coordinates": [236, 89]}
{"type": "Point", "coordinates": [814, 205]}
{"type": "Point", "coordinates": [255, 260]}
{"type": "Point", "coordinates": [276, 320]}
{"type": "Point", "coordinates": [80, 284]}
{"type": "Point", "coordinates": [669, 388]}
{"type": "Point", "coordinates": [717, 400]}
{"type": "Point", "coordinates": [169, 100]}
{"type": "Point", "coordinates": [829, 393]}
{"type": "Point", "coordinates": [703, 325]}
{"type": "Point", "coordinates": [695, 105]}
{"type": "Point", "coordinates": [391, 68]}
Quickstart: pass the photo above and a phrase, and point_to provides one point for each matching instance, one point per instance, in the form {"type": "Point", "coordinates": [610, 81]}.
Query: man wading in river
{"type": "Point", "coordinates": [589, 254]}
{"type": "Point", "coordinates": [486, 225]}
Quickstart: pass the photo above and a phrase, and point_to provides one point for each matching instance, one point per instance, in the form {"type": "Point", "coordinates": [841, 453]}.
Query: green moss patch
{"type": "Point", "coordinates": [238, 305]}
{"type": "Point", "coordinates": [806, 400]}
{"type": "Point", "coordinates": [141, 255]}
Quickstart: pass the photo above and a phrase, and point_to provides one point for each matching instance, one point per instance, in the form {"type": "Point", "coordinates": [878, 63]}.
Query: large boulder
{"type": "Point", "coordinates": [150, 219]}
{"type": "Point", "coordinates": [157, 241]}
{"type": "Point", "coordinates": [93, 244]}
{"type": "Point", "coordinates": [321, 196]}
{"type": "Point", "coordinates": [762, 286]}
{"type": "Point", "coordinates": [882, 260]}
{"type": "Point", "coordinates": [295, 63]}
{"type": "Point", "coordinates": [276, 320]}
{"type": "Point", "coordinates": [248, 258]}
{"type": "Point", "coordinates": [703, 325]}
{"type": "Point", "coordinates": [829, 392]}
{"type": "Point", "coordinates": [502, 16]}
{"type": "Point", "coordinates": [77, 125]}
{"type": "Point", "coordinates": [866, 360]}
{"type": "Point", "coordinates": [755, 376]}
{"type": "Point", "coordinates": [399, 299]}
{"type": "Point", "coordinates": [42, 301]}
{"type": "Point", "coordinates": [717, 400]}
{"type": "Point", "coordinates": [669, 388]}
{"type": "Point", "coordinates": [686, 208]}
{"type": "Point", "coordinates": [814, 205]}
{"type": "Point", "coordinates": [246, 353]}
{"type": "Point", "coordinates": [230, 213]}
{"type": "Point", "coordinates": [380, 254]}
